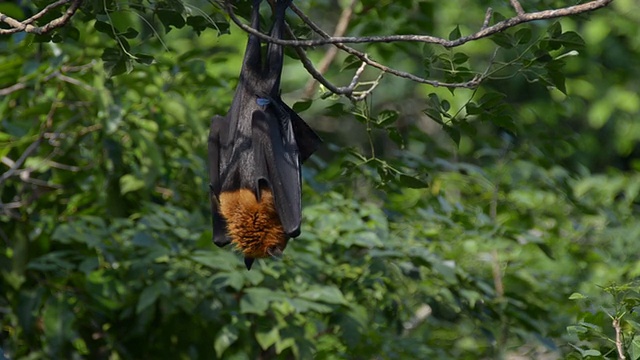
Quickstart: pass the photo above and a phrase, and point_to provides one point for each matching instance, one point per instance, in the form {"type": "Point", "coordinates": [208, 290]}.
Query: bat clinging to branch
{"type": "Point", "coordinates": [255, 154]}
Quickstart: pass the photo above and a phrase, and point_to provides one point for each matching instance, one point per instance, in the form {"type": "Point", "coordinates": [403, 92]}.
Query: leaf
{"type": "Point", "coordinates": [129, 183]}
{"type": "Point", "coordinates": [105, 28]}
{"type": "Point", "coordinates": [634, 350]}
{"type": "Point", "coordinates": [327, 294]}
{"type": "Point", "coordinates": [523, 36]}
{"type": "Point", "coordinates": [453, 133]}
{"type": "Point", "coordinates": [555, 30]}
{"type": "Point", "coordinates": [387, 117]}
{"type": "Point", "coordinates": [256, 301]}
{"type": "Point", "coordinates": [150, 294]}
{"type": "Point", "coordinates": [396, 137]}
{"type": "Point", "coordinates": [301, 106]}
{"type": "Point", "coordinates": [350, 62]}
{"type": "Point", "coordinates": [267, 338]}
{"type": "Point", "coordinates": [433, 108]}
{"type": "Point", "coordinates": [502, 39]}
{"type": "Point", "coordinates": [576, 296]}
{"type": "Point", "coordinates": [557, 78]}
{"type": "Point", "coordinates": [455, 33]}
{"type": "Point", "coordinates": [226, 337]}
{"type": "Point", "coordinates": [460, 58]}
{"type": "Point", "coordinates": [413, 182]}
{"type": "Point", "coordinates": [171, 18]}
{"type": "Point", "coordinates": [131, 33]}
{"type": "Point", "coordinates": [144, 59]}
{"type": "Point", "coordinates": [572, 41]}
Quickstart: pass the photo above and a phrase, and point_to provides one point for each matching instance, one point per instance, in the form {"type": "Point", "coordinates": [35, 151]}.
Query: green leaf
{"type": "Point", "coordinates": [455, 33]}
{"type": "Point", "coordinates": [502, 39]}
{"type": "Point", "coordinates": [555, 30]}
{"type": "Point", "coordinates": [327, 294]}
{"type": "Point", "coordinates": [255, 301]}
{"type": "Point", "coordinates": [267, 338]}
{"type": "Point", "coordinates": [572, 41]}
{"type": "Point", "coordinates": [576, 296]}
{"type": "Point", "coordinates": [413, 182]}
{"type": "Point", "coordinates": [171, 18]}
{"type": "Point", "coordinates": [226, 337]}
{"type": "Point", "coordinates": [453, 133]}
{"type": "Point", "coordinates": [387, 117]}
{"type": "Point", "coordinates": [131, 33]}
{"type": "Point", "coordinates": [129, 183]}
{"type": "Point", "coordinates": [144, 59]}
{"type": "Point", "coordinates": [301, 106]}
{"type": "Point", "coordinates": [396, 136]}
{"type": "Point", "coordinates": [350, 62]}
{"type": "Point", "coordinates": [591, 352]}
{"type": "Point", "coordinates": [523, 36]}
{"type": "Point", "coordinates": [105, 28]}
{"type": "Point", "coordinates": [460, 58]}
{"type": "Point", "coordinates": [433, 108]}
{"type": "Point", "coordinates": [634, 349]}
{"type": "Point", "coordinates": [150, 294]}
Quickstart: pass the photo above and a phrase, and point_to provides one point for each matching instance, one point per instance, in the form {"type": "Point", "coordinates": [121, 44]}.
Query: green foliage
{"type": "Point", "coordinates": [438, 224]}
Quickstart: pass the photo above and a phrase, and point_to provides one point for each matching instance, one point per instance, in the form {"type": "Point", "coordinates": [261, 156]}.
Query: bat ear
{"type": "Point", "coordinates": [248, 262]}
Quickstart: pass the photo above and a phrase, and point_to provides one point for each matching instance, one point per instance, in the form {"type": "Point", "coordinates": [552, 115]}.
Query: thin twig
{"type": "Point", "coordinates": [487, 18]}
{"type": "Point", "coordinates": [18, 163]}
{"type": "Point", "coordinates": [517, 7]}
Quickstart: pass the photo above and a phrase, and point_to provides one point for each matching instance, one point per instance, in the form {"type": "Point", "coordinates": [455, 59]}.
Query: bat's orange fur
{"type": "Point", "coordinates": [254, 227]}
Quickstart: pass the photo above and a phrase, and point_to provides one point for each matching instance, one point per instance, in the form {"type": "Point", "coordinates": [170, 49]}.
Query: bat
{"type": "Point", "coordinates": [255, 154]}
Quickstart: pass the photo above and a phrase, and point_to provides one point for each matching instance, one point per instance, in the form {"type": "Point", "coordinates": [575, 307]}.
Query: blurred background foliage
{"type": "Point", "coordinates": [525, 244]}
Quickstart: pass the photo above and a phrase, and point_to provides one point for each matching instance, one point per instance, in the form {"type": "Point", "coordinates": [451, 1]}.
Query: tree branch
{"type": "Point", "coordinates": [25, 25]}
{"type": "Point", "coordinates": [498, 27]}
{"type": "Point", "coordinates": [339, 42]}
{"type": "Point", "coordinates": [619, 338]}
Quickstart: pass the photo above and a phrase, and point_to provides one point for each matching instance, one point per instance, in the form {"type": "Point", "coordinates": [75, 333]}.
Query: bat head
{"type": "Point", "coordinates": [253, 226]}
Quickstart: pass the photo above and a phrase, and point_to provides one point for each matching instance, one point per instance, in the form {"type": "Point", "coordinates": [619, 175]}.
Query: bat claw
{"type": "Point", "coordinates": [275, 253]}
{"type": "Point", "coordinates": [248, 262]}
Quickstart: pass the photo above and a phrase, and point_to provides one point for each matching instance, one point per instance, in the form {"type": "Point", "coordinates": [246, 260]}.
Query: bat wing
{"type": "Point", "coordinates": [306, 139]}
{"type": "Point", "coordinates": [217, 132]}
{"type": "Point", "coordinates": [278, 166]}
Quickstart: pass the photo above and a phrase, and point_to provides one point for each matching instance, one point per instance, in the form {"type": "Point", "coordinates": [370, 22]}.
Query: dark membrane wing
{"type": "Point", "coordinates": [218, 130]}
{"type": "Point", "coordinates": [278, 161]}
{"type": "Point", "coordinates": [306, 139]}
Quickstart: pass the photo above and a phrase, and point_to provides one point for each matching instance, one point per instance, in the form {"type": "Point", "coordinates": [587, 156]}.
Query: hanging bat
{"type": "Point", "coordinates": [255, 154]}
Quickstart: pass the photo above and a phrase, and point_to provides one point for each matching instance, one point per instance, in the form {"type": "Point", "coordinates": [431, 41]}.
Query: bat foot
{"type": "Point", "coordinates": [275, 252]}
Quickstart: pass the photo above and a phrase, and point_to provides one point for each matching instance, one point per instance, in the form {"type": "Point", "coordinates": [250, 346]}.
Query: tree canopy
{"type": "Point", "coordinates": [477, 195]}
